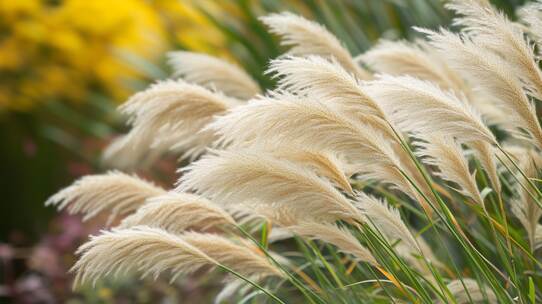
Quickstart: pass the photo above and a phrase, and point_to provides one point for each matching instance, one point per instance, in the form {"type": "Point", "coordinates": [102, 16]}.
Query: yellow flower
{"type": "Point", "coordinates": [61, 51]}
{"type": "Point", "coordinates": [11, 10]}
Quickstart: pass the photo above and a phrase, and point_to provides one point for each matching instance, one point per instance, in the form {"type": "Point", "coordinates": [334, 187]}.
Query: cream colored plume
{"type": "Point", "coordinates": [531, 15]}
{"type": "Point", "coordinates": [469, 291]}
{"type": "Point", "coordinates": [525, 208]}
{"type": "Point", "coordinates": [287, 120]}
{"type": "Point", "coordinates": [256, 178]}
{"type": "Point", "coordinates": [493, 76]}
{"type": "Point", "coordinates": [420, 60]}
{"type": "Point", "coordinates": [177, 212]}
{"type": "Point", "coordinates": [231, 288]}
{"type": "Point", "coordinates": [341, 238]}
{"type": "Point", "coordinates": [148, 250]}
{"type": "Point", "coordinates": [492, 30]}
{"type": "Point", "coordinates": [324, 80]}
{"type": "Point", "coordinates": [421, 107]}
{"type": "Point", "coordinates": [485, 154]}
{"type": "Point", "coordinates": [315, 78]}
{"type": "Point", "coordinates": [153, 251]}
{"type": "Point", "coordinates": [538, 237]}
{"type": "Point", "coordinates": [447, 155]}
{"type": "Point", "coordinates": [414, 59]}
{"type": "Point", "coordinates": [242, 256]}
{"type": "Point", "coordinates": [115, 192]}
{"type": "Point", "coordinates": [387, 220]}
{"type": "Point", "coordinates": [168, 116]}
{"type": "Point", "coordinates": [323, 163]}
{"type": "Point", "coordinates": [311, 38]}
{"type": "Point", "coordinates": [213, 73]}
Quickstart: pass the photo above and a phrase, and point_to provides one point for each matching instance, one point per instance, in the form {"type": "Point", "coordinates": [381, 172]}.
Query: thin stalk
{"type": "Point", "coordinates": [292, 278]}
{"type": "Point", "coordinates": [256, 285]}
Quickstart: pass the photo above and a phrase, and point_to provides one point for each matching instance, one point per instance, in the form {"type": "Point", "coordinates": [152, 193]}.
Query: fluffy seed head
{"type": "Point", "coordinates": [245, 177]}
{"type": "Point", "coordinates": [387, 220]}
{"type": "Point", "coordinates": [153, 251]}
{"type": "Point", "coordinates": [421, 107]}
{"type": "Point", "coordinates": [342, 238]}
{"type": "Point", "coordinates": [213, 73]}
{"type": "Point", "coordinates": [492, 30]}
{"type": "Point", "coordinates": [446, 154]}
{"type": "Point", "coordinates": [325, 80]}
{"type": "Point", "coordinates": [115, 192]}
{"type": "Point", "coordinates": [401, 58]}
{"type": "Point", "coordinates": [310, 38]}
{"type": "Point", "coordinates": [177, 212]}
{"type": "Point", "coordinates": [470, 291]}
{"type": "Point", "coordinates": [491, 75]}
{"type": "Point", "coordinates": [169, 116]}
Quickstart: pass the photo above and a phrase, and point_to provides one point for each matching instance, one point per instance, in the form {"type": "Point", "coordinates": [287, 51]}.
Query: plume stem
{"type": "Point", "coordinates": [509, 158]}
{"type": "Point", "coordinates": [254, 284]}
{"type": "Point", "coordinates": [455, 229]}
{"type": "Point", "coordinates": [290, 276]}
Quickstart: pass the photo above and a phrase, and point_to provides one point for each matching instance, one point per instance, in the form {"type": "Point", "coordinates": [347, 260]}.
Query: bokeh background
{"type": "Point", "coordinates": [64, 67]}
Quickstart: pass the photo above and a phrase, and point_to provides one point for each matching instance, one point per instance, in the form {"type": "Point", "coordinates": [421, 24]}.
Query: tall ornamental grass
{"type": "Point", "coordinates": [406, 174]}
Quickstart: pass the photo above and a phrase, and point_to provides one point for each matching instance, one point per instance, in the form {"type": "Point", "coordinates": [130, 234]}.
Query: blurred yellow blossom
{"type": "Point", "coordinates": [62, 50]}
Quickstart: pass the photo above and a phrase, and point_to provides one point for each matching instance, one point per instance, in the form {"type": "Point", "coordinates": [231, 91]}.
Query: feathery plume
{"type": "Point", "coordinates": [284, 120]}
{"type": "Point", "coordinates": [231, 288]}
{"type": "Point", "coordinates": [538, 237]}
{"type": "Point", "coordinates": [241, 256]}
{"type": "Point", "coordinates": [531, 15]}
{"type": "Point", "coordinates": [421, 107]}
{"type": "Point", "coordinates": [244, 176]}
{"type": "Point", "coordinates": [311, 38]}
{"type": "Point", "coordinates": [492, 76]}
{"type": "Point", "coordinates": [485, 153]}
{"type": "Point", "coordinates": [387, 220]}
{"type": "Point", "coordinates": [115, 192]}
{"type": "Point", "coordinates": [150, 250]}
{"type": "Point", "coordinates": [170, 115]}
{"type": "Point", "coordinates": [468, 290]}
{"type": "Point", "coordinates": [525, 208]}
{"type": "Point", "coordinates": [421, 60]}
{"type": "Point", "coordinates": [341, 238]}
{"type": "Point", "coordinates": [323, 79]}
{"type": "Point", "coordinates": [492, 30]}
{"type": "Point", "coordinates": [213, 73]}
{"type": "Point", "coordinates": [446, 154]}
{"type": "Point", "coordinates": [415, 59]}
{"type": "Point", "coordinates": [153, 251]}
{"type": "Point", "coordinates": [177, 212]}
{"type": "Point", "coordinates": [320, 79]}
{"type": "Point", "coordinates": [278, 234]}
{"type": "Point", "coordinates": [325, 164]}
